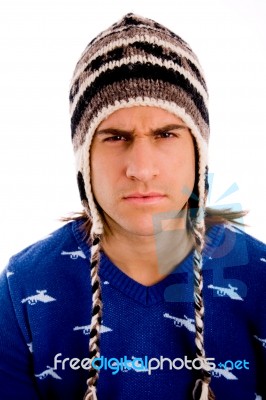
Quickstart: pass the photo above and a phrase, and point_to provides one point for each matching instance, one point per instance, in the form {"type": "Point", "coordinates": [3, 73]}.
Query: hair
{"type": "Point", "coordinates": [213, 216]}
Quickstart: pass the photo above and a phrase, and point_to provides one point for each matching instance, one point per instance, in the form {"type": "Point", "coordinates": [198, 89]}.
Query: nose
{"type": "Point", "coordinates": [141, 161]}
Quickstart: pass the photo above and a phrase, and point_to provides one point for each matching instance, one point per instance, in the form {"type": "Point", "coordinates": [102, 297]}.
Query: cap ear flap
{"type": "Point", "coordinates": [206, 180]}
{"type": "Point", "coordinates": [81, 186]}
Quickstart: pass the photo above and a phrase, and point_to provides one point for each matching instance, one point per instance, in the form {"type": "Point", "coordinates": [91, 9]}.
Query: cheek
{"type": "Point", "coordinates": [190, 176]}
{"type": "Point", "coordinates": [103, 178]}
{"type": "Point", "coordinates": [182, 168]}
{"type": "Point", "coordinates": [190, 162]}
{"type": "Point", "coordinates": [98, 184]}
{"type": "Point", "coordinates": [97, 175]}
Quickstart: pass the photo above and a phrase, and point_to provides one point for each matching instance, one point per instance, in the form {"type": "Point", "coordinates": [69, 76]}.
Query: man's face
{"type": "Point", "coordinates": [142, 164]}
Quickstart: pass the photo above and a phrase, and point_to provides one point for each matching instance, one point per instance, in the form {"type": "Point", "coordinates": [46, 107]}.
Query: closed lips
{"type": "Point", "coordinates": [143, 195]}
{"type": "Point", "coordinates": [142, 198]}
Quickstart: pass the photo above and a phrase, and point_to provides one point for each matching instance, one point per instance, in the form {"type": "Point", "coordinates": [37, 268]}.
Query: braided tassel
{"type": "Point", "coordinates": [201, 391]}
{"type": "Point", "coordinates": [96, 231]}
{"type": "Point", "coordinates": [91, 394]}
{"type": "Point", "coordinates": [94, 344]}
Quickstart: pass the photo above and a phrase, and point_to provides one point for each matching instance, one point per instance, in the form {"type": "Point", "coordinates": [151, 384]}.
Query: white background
{"type": "Point", "coordinates": [41, 41]}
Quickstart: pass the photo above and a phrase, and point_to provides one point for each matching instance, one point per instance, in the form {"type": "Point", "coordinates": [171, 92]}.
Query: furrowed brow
{"type": "Point", "coordinates": [117, 131]}
{"type": "Point", "coordinates": [112, 131]}
{"type": "Point", "coordinates": [167, 128]}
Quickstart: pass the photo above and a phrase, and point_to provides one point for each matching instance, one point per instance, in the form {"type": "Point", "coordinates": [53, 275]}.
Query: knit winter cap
{"type": "Point", "coordinates": [139, 62]}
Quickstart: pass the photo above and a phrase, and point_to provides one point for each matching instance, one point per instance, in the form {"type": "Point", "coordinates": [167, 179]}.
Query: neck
{"type": "Point", "coordinates": [148, 259]}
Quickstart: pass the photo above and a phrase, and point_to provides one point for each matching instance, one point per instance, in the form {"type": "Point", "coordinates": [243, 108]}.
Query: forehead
{"type": "Point", "coordinates": [140, 117]}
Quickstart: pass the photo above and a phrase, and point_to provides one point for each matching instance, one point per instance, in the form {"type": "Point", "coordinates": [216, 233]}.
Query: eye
{"type": "Point", "coordinates": [115, 138]}
{"type": "Point", "coordinates": [166, 135]}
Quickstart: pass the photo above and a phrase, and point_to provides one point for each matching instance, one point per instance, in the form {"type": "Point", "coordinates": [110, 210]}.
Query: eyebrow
{"type": "Point", "coordinates": [157, 131]}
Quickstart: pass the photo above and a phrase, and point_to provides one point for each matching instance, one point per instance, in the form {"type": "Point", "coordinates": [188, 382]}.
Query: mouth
{"type": "Point", "coordinates": [144, 198]}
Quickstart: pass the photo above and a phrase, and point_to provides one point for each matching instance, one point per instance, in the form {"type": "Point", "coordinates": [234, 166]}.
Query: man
{"type": "Point", "coordinates": [143, 244]}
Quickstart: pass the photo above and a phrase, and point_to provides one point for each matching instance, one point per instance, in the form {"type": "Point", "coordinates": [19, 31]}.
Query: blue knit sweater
{"type": "Point", "coordinates": [147, 335]}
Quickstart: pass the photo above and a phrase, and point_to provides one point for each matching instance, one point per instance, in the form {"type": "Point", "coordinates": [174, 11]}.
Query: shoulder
{"type": "Point", "coordinates": [236, 271]}
{"type": "Point", "coordinates": [233, 245]}
{"type": "Point", "coordinates": [49, 252]}
{"type": "Point", "coordinates": [50, 267]}
{"type": "Point", "coordinates": [42, 282]}
{"type": "Point", "coordinates": [254, 249]}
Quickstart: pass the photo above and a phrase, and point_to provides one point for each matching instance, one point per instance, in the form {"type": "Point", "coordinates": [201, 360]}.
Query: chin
{"type": "Point", "coordinates": [141, 227]}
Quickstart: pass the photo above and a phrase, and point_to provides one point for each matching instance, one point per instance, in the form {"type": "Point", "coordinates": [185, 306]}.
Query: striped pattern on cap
{"type": "Point", "coordinates": [138, 62]}
{"type": "Point", "coordinates": [136, 58]}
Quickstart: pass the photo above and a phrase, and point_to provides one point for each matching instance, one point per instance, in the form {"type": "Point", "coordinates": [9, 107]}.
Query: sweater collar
{"type": "Point", "coordinates": [148, 295]}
